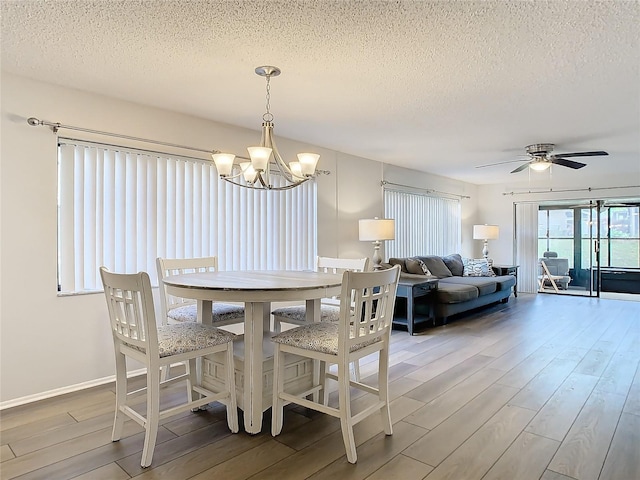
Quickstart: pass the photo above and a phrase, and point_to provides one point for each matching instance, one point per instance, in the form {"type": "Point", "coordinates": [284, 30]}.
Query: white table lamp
{"type": "Point", "coordinates": [374, 230]}
{"type": "Point", "coordinates": [486, 233]}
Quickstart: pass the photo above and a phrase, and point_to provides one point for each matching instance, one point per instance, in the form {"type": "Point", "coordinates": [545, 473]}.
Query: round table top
{"type": "Point", "coordinates": [250, 280]}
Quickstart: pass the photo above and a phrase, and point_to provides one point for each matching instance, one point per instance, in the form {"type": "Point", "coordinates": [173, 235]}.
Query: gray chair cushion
{"type": "Point", "coordinates": [187, 337]}
{"type": "Point", "coordinates": [328, 313]}
{"type": "Point", "coordinates": [221, 311]}
{"type": "Point", "coordinates": [317, 337]}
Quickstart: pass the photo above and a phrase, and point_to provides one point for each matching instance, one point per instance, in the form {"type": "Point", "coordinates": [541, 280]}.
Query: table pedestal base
{"type": "Point", "coordinates": [298, 375]}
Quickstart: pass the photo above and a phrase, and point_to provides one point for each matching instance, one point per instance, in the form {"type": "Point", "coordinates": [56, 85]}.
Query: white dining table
{"type": "Point", "coordinates": [256, 289]}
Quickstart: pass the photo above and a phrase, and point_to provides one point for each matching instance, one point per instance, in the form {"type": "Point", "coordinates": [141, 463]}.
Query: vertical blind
{"type": "Point", "coordinates": [122, 208]}
{"type": "Point", "coordinates": [526, 222]}
{"type": "Point", "coordinates": [425, 224]}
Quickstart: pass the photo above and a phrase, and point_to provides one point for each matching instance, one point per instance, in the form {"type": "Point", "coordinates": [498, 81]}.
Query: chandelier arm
{"type": "Point", "coordinates": [251, 187]}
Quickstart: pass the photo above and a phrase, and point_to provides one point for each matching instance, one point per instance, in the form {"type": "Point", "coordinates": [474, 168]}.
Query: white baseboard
{"type": "Point", "coordinates": [69, 389]}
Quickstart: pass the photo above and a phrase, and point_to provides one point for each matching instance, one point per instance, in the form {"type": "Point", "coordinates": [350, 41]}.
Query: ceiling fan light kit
{"type": "Point", "coordinates": [539, 165]}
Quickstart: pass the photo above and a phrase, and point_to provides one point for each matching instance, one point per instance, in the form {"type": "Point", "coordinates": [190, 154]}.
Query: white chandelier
{"type": "Point", "coordinates": [257, 173]}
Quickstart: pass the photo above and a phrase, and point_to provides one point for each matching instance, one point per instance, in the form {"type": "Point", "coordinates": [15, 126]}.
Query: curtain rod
{"type": "Point", "coordinates": [551, 190]}
{"type": "Point", "coordinates": [34, 122]}
{"type": "Point", "coordinates": [427, 190]}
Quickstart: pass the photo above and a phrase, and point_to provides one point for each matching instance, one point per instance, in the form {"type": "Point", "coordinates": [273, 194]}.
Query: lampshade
{"type": "Point", "coordinates": [296, 169]}
{"type": "Point", "coordinates": [224, 163]}
{"type": "Point", "coordinates": [485, 232]}
{"type": "Point", "coordinates": [259, 157]}
{"type": "Point", "coordinates": [248, 172]}
{"type": "Point", "coordinates": [308, 162]}
{"type": "Point", "coordinates": [372, 229]}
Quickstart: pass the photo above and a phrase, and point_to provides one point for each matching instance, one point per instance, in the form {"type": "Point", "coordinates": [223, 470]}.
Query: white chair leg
{"type": "Point", "coordinates": [232, 405]}
{"type": "Point", "coordinates": [344, 399]}
{"type": "Point", "coordinates": [356, 370]}
{"type": "Point", "coordinates": [277, 405]}
{"type": "Point", "coordinates": [153, 413]}
{"type": "Point", "coordinates": [164, 373]}
{"type": "Point", "coordinates": [277, 325]}
{"type": "Point", "coordinates": [324, 392]}
{"type": "Point", "coordinates": [121, 396]}
{"type": "Point", "coordinates": [192, 381]}
{"type": "Point", "coordinates": [383, 391]}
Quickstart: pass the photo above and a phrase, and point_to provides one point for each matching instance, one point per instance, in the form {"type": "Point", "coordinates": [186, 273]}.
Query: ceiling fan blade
{"type": "Point", "coordinates": [502, 163]}
{"type": "Point", "coordinates": [599, 153]}
{"type": "Point", "coordinates": [567, 163]}
{"type": "Point", "coordinates": [520, 168]}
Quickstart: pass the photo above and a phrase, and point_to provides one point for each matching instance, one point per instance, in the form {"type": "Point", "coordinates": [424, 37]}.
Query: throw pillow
{"type": "Point", "coordinates": [436, 266]}
{"type": "Point", "coordinates": [477, 267]}
{"type": "Point", "coordinates": [454, 263]}
{"type": "Point", "coordinates": [417, 266]}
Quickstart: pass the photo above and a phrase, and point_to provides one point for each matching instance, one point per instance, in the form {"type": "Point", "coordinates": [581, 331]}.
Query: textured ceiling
{"type": "Point", "coordinates": [440, 87]}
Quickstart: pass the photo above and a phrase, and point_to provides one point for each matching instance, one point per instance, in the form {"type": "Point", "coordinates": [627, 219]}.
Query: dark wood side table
{"type": "Point", "coordinates": [411, 289]}
{"type": "Point", "coordinates": [508, 270]}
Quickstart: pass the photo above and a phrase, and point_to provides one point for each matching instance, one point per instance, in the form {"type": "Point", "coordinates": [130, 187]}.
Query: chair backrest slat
{"type": "Point", "coordinates": [130, 306]}
{"type": "Point", "coordinates": [179, 266]}
{"type": "Point", "coordinates": [340, 265]}
{"type": "Point", "coordinates": [367, 303]}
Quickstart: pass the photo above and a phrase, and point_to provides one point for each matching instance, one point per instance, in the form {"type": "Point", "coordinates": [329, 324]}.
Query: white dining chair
{"type": "Point", "coordinates": [366, 311]}
{"type": "Point", "coordinates": [329, 307]}
{"type": "Point", "coordinates": [136, 335]}
{"type": "Point", "coordinates": [176, 309]}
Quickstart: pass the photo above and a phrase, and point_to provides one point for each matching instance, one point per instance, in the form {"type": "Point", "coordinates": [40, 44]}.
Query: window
{"type": "Point", "coordinates": [425, 224]}
{"type": "Point", "coordinates": [122, 208]}
{"type": "Point", "coordinates": [555, 232]}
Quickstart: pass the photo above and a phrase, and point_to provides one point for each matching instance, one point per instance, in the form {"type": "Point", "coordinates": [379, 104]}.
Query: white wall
{"type": "Point", "coordinates": [49, 342]}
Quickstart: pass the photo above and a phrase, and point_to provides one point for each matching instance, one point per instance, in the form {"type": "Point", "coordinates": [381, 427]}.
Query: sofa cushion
{"type": "Point", "coordinates": [401, 262]}
{"type": "Point", "coordinates": [504, 282]}
{"type": "Point", "coordinates": [477, 267]}
{"type": "Point", "coordinates": [454, 264]}
{"type": "Point", "coordinates": [416, 266]}
{"type": "Point", "coordinates": [485, 285]}
{"type": "Point", "coordinates": [455, 293]}
{"type": "Point", "coordinates": [436, 266]}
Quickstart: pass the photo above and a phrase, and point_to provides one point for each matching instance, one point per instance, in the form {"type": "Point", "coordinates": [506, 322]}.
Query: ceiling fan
{"type": "Point", "coordinates": [539, 158]}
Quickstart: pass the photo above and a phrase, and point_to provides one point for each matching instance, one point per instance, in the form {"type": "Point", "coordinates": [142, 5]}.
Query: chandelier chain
{"type": "Point", "coordinates": [268, 116]}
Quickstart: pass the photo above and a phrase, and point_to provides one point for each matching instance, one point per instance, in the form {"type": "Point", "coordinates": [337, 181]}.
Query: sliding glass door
{"type": "Point", "coordinates": [593, 245]}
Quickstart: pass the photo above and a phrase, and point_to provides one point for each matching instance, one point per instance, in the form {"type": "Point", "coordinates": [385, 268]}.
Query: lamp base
{"type": "Point", "coordinates": [377, 258]}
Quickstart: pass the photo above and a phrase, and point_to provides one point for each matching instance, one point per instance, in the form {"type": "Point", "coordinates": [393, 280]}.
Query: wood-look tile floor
{"type": "Point", "coordinates": [543, 387]}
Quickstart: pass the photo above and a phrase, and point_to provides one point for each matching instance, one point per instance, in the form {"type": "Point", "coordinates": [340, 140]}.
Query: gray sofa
{"type": "Point", "coordinates": [456, 293]}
